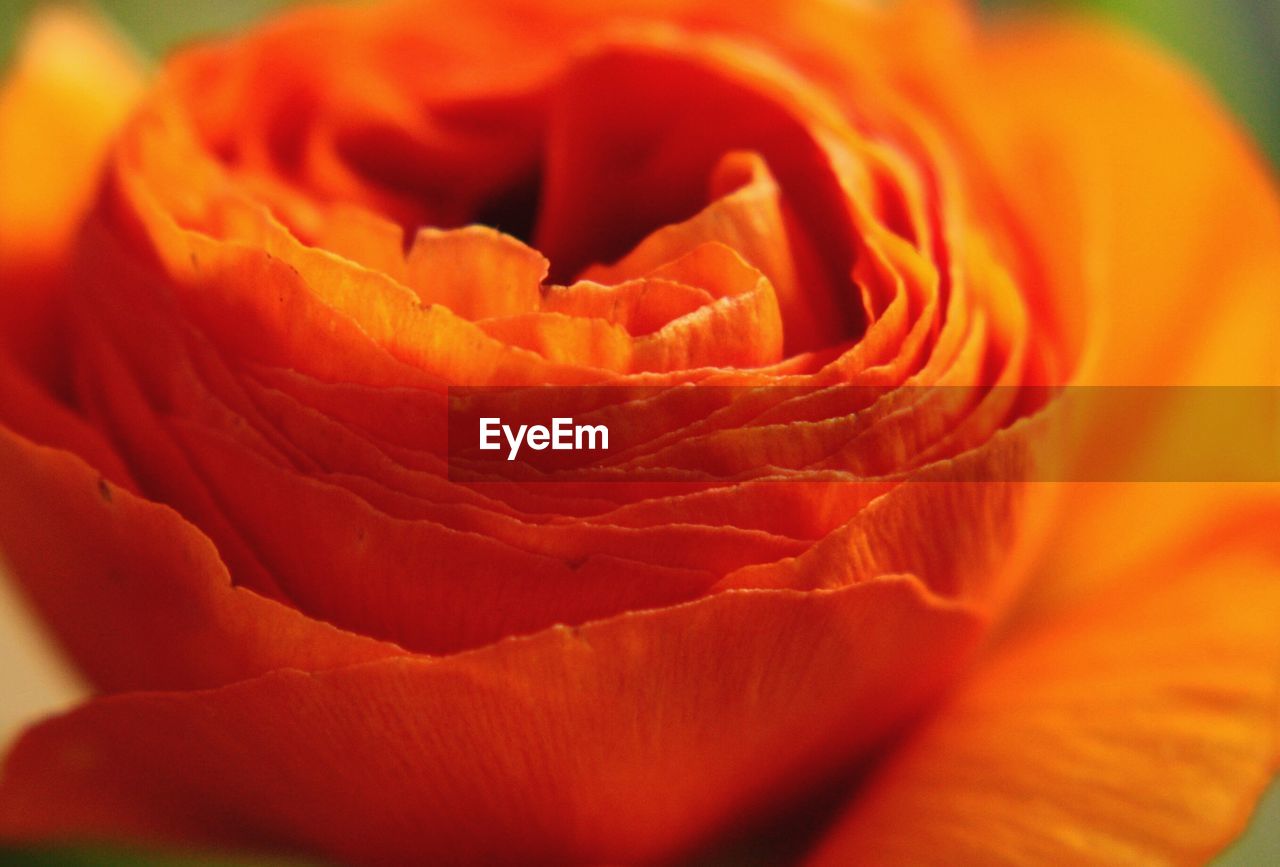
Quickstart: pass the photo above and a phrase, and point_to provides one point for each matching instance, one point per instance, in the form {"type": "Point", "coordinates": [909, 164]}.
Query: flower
{"type": "Point", "coordinates": [864, 239]}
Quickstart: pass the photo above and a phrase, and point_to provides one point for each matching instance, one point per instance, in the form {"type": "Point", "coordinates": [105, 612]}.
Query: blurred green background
{"type": "Point", "coordinates": [1235, 44]}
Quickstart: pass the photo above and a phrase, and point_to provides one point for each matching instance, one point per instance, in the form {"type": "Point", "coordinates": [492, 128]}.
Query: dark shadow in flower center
{"type": "Point", "coordinates": [514, 210]}
{"type": "Point", "coordinates": [621, 144]}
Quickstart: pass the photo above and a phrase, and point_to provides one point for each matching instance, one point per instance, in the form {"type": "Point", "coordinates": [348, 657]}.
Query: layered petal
{"type": "Point", "coordinates": [624, 740]}
{"type": "Point", "coordinates": [138, 597]}
{"type": "Point", "coordinates": [867, 230]}
{"type": "Point", "coordinates": [1140, 730]}
{"type": "Point", "coordinates": [1148, 231]}
{"type": "Point", "coordinates": [237, 367]}
{"type": "Point", "coordinates": [1143, 222]}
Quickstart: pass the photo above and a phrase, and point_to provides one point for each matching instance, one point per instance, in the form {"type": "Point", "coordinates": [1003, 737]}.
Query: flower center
{"type": "Point", "coordinates": [629, 143]}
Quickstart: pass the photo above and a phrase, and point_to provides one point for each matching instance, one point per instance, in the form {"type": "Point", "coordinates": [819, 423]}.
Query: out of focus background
{"type": "Point", "coordinates": [1234, 43]}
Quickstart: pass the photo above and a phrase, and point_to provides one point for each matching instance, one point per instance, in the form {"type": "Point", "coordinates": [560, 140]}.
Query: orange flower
{"type": "Point", "coordinates": [869, 237]}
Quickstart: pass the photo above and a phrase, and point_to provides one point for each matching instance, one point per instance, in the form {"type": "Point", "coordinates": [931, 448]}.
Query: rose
{"type": "Point", "coordinates": [226, 492]}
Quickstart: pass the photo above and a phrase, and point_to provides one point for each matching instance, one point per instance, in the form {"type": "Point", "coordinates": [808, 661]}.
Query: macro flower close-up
{"type": "Point", "coordinates": [687, 432]}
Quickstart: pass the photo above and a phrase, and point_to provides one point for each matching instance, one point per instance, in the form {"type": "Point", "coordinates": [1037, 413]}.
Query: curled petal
{"type": "Point", "coordinates": [1138, 731]}
{"type": "Point", "coordinates": [137, 596]}
{"type": "Point", "coordinates": [630, 739]}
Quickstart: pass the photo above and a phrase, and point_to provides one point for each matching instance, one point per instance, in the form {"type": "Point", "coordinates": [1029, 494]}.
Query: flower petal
{"type": "Point", "coordinates": [1139, 731]}
{"type": "Point", "coordinates": [1125, 162]}
{"type": "Point", "coordinates": [139, 597]}
{"type": "Point", "coordinates": [624, 740]}
{"type": "Point", "coordinates": [1134, 163]}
